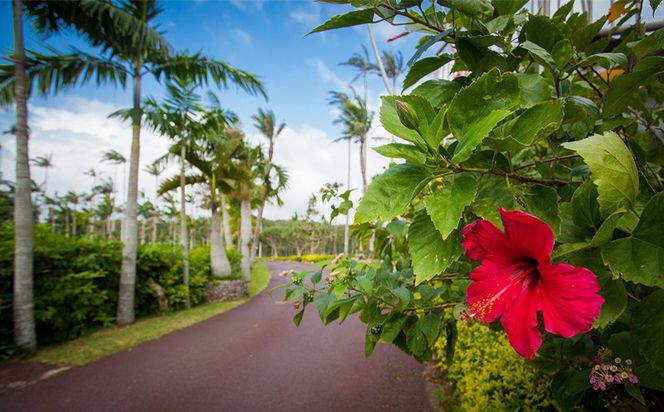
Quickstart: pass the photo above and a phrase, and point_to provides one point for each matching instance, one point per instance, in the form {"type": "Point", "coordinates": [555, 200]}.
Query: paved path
{"type": "Point", "coordinates": [251, 358]}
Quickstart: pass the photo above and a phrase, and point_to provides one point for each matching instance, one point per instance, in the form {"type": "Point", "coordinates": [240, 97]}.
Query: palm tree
{"type": "Point", "coordinates": [356, 122]}
{"type": "Point", "coordinates": [45, 162]}
{"type": "Point", "coordinates": [212, 161]}
{"type": "Point", "coordinates": [116, 158]}
{"type": "Point", "coordinates": [24, 318]}
{"type": "Point", "coordinates": [132, 48]}
{"type": "Point", "coordinates": [362, 64]}
{"type": "Point", "coordinates": [266, 124]}
{"type": "Point", "coordinates": [393, 66]}
{"type": "Point", "coordinates": [72, 198]}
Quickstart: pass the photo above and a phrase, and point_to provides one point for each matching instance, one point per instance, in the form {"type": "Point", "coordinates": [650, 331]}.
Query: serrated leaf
{"type": "Point", "coordinates": [401, 151]}
{"type": "Point", "coordinates": [391, 122]}
{"type": "Point", "coordinates": [640, 257]}
{"type": "Point", "coordinates": [534, 89]}
{"type": "Point", "coordinates": [392, 328]}
{"type": "Point", "coordinates": [612, 170]}
{"type": "Point", "coordinates": [404, 297]}
{"type": "Point", "coordinates": [472, 8]}
{"type": "Point", "coordinates": [424, 67]}
{"type": "Point", "coordinates": [445, 207]}
{"type": "Point", "coordinates": [390, 193]}
{"type": "Point", "coordinates": [537, 122]}
{"type": "Point", "coordinates": [585, 209]}
{"type": "Point", "coordinates": [437, 92]}
{"type": "Point", "coordinates": [417, 341]}
{"type": "Point", "coordinates": [478, 108]}
{"type": "Point", "coordinates": [430, 327]}
{"type": "Point", "coordinates": [431, 254]}
{"type": "Point", "coordinates": [540, 55]}
{"type": "Point", "coordinates": [353, 18]}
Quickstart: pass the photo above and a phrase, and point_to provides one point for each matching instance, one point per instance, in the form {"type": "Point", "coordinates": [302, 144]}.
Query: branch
{"type": "Point", "coordinates": [551, 160]}
{"type": "Point", "coordinates": [598, 91]}
{"type": "Point", "coordinates": [511, 175]}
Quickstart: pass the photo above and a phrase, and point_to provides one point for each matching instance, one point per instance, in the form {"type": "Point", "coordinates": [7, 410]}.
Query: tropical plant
{"type": "Point", "coordinates": [45, 162]}
{"type": "Point", "coordinates": [531, 193]}
{"type": "Point", "coordinates": [266, 123]}
{"type": "Point", "coordinates": [131, 47]}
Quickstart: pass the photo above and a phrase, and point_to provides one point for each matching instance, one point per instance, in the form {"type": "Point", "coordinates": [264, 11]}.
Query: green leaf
{"type": "Point", "coordinates": [430, 327]}
{"type": "Point", "coordinates": [534, 89]}
{"type": "Point", "coordinates": [621, 90]}
{"type": "Point", "coordinates": [640, 257]}
{"type": "Point", "coordinates": [423, 67]}
{"type": "Point", "coordinates": [537, 122]}
{"type": "Point", "coordinates": [391, 122]}
{"type": "Point", "coordinates": [562, 53]}
{"type": "Point", "coordinates": [427, 42]}
{"type": "Point", "coordinates": [580, 116]}
{"type": "Point", "coordinates": [540, 55]}
{"type": "Point", "coordinates": [542, 202]}
{"type": "Point", "coordinates": [649, 328]}
{"type": "Point", "coordinates": [635, 392]}
{"type": "Point", "coordinates": [606, 60]}
{"type": "Point", "coordinates": [445, 206]}
{"type": "Point", "coordinates": [401, 151]}
{"type": "Point", "coordinates": [417, 341]}
{"type": "Point", "coordinates": [431, 254]}
{"type": "Point", "coordinates": [353, 18]}
{"type": "Point", "coordinates": [472, 8]}
{"type": "Point", "coordinates": [392, 328]}
{"type": "Point", "coordinates": [370, 341]}
{"type": "Point", "coordinates": [404, 297]}
{"type": "Point", "coordinates": [508, 7]}
{"type": "Point", "coordinates": [297, 319]}
{"type": "Point", "coordinates": [322, 302]}
{"type": "Point", "coordinates": [585, 209]}
{"type": "Point", "coordinates": [316, 277]}
{"type": "Point", "coordinates": [615, 301]}
{"type": "Point", "coordinates": [437, 92]}
{"type": "Point", "coordinates": [493, 193]}
{"type": "Point", "coordinates": [541, 31]}
{"type": "Point", "coordinates": [390, 193]}
{"type": "Point", "coordinates": [612, 169]}
{"type": "Point", "coordinates": [478, 108]}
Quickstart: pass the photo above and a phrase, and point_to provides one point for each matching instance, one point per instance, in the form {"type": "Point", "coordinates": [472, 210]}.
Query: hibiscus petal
{"type": "Point", "coordinates": [494, 288]}
{"type": "Point", "coordinates": [520, 322]}
{"type": "Point", "coordinates": [482, 240]}
{"type": "Point", "coordinates": [531, 236]}
{"type": "Point", "coordinates": [569, 299]}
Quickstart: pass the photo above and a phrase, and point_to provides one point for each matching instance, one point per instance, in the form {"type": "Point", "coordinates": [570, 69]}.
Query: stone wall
{"type": "Point", "coordinates": [223, 290]}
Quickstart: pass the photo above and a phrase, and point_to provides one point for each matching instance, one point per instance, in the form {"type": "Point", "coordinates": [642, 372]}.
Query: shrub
{"type": "Point", "coordinates": [487, 375]}
{"type": "Point", "coordinates": [303, 258]}
{"type": "Point", "coordinates": [76, 282]}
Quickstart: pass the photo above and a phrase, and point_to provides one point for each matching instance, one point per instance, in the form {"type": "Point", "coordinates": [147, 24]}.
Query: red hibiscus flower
{"type": "Point", "coordinates": [516, 280]}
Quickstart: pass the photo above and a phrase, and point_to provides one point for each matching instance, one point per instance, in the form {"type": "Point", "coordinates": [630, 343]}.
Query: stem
{"type": "Point", "coordinates": [598, 91]}
{"type": "Point", "coordinates": [512, 175]}
{"type": "Point", "coordinates": [551, 160]}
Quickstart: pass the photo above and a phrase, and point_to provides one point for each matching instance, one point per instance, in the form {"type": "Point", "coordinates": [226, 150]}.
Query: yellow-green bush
{"type": "Point", "coordinates": [487, 375]}
{"type": "Point", "coordinates": [303, 258]}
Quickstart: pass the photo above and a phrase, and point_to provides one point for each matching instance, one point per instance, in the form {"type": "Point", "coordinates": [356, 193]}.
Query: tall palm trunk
{"type": "Point", "coordinates": [129, 236]}
{"type": "Point", "coordinates": [347, 225]}
{"type": "Point", "coordinates": [219, 263]}
{"type": "Point", "coordinates": [184, 234]}
{"type": "Point", "coordinates": [24, 318]}
{"type": "Point", "coordinates": [259, 217]}
{"type": "Point", "coordinates": [245, 237]}
{"type": "Point", "coordinates": [154, 229]}
{"type": "Point", "coordinates": [226, 220]}
{"type": "Point", "coordinates": [363, 163]}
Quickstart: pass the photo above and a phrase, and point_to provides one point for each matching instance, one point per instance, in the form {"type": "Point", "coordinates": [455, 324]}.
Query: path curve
{"type": "Point", "coordinates": [251, 358]}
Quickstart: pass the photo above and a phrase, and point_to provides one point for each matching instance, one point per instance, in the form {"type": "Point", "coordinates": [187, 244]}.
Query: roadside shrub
{"type": "Point", "coordinates": [76, 282]}
{"type": "Point", "coordinates": [487, 375]}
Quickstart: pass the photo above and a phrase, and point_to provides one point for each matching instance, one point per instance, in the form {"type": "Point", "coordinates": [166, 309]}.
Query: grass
{"type": "Point", "coordinates": [107, 341]}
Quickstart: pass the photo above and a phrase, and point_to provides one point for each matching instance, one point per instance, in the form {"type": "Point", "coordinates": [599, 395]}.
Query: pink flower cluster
{"type": "Point", "coordinates": [606, 373]}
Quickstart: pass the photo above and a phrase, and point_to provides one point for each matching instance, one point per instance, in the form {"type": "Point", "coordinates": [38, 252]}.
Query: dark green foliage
{"type": "Point", "coordinates": [76, 282]}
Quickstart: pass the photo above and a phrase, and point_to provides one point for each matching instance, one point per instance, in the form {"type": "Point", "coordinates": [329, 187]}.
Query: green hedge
{"type": "Point", "coordinates": [487, 375]}
{"type": "Point", "coordinates": [76, 282]}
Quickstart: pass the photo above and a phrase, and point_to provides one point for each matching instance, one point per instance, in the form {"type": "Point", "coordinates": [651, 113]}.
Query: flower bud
{"type": "Point", "coordinates": [406, 115]}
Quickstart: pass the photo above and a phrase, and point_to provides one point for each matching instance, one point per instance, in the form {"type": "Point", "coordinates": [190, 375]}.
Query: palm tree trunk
{"type": "Point", "coordinates": [257, 231]}
{"type": "Point", "coordinates": [219, 263]}
{"type": "Point", "coordinates": [23, 305]}
{"type": "Point", "coordinates": [127, 290]}
{"type": "Point", "coordinates": [245, 237]}
{"type": "Point", "coordinates": [226, 221]}
{"type": "Point", "coordinates": [73, 223]}
{"type": "Point", "coordinates": [142, 231]}
{"type": "Point", "coordinates": [347, 225]}
{"type": "Point", "coordinates": [184, 235]}
{"type": "Point", "coordinates": [363, 163]}
{"type": "Point", "coordinates": [379, 60]}
{"type": "Point", "coordinates": [154, 229]}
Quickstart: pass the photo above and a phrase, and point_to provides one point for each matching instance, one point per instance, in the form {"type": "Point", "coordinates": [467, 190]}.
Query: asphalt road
{"type": "Point", "coordinates": [251, 358]}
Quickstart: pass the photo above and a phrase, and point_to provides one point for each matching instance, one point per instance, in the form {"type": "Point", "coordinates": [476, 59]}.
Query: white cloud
{"type": "Point", "coordinates": [310, 16]}
{"type": "Point", "coordinates": [313, 159]}
{"type": "Point", "coordinates": [241, 37]}
{"type": "Point", "coordinates": [76, 133]}
{"type": "Point", "coordinates": [327, 74]}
